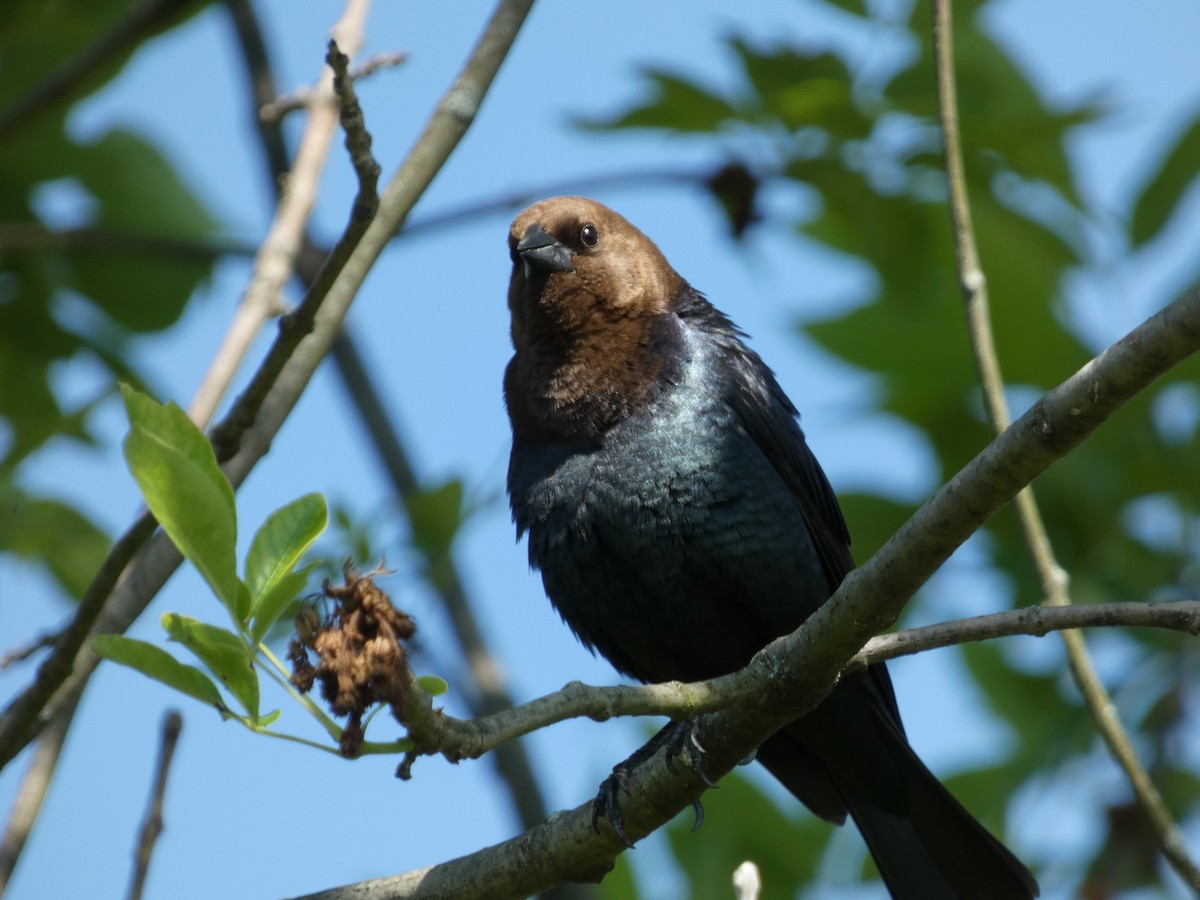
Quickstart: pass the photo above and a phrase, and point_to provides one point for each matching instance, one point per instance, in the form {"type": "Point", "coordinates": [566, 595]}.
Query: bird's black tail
{"type": "Point", "coordinates": [925, 843]}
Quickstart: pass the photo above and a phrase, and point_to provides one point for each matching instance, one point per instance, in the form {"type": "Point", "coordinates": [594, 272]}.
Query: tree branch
{"type": "Point", "coordinates": [152, 826]}
{"type": "Point", "coordinates": [27, 804]}
{"type": "Point", "coordinates": [37, 237]}
{"type": "Point", "coordinates": [458, 739]}
{"type": "Point", "coordinates": [1053, 577]}
{"type": "Point", "coordinates": [275, 261]}
{"type": "Point", "coordinates": [792, 674]}
{"type": "Point", "coordinates": [276, 110]}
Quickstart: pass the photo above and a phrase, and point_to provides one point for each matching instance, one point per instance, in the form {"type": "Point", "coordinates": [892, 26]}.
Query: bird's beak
{"type": "Point", "coordinates": [539, 250]}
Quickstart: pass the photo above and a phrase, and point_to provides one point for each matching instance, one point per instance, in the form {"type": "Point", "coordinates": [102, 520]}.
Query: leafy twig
{"type": "Point", "coordinates": [1053, 578]}
{"type": "Point", "coordinates": [256, 417]}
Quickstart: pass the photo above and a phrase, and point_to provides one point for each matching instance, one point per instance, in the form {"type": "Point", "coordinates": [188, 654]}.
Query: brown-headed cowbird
{"type": "Point", "coordinates": [681, 523]}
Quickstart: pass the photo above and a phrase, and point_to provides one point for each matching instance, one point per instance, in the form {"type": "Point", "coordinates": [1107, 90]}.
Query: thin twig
{"type": "Point", "coordinates": [152, 825]}
{"type": "Point", "coordinates": [37, 237]}
{"type": "Point", "coordinates": [277, 109]}
{"type": "Point", "coordinates": [1053, 577]}
{"type": "Point", "coordinates": [24, 651]}
{"type": "Point", "coordinates": [511, 760]}
{"type": "Point", "coordinates": [275, 261]}
{"type": "Point", "coordinates": [792, 674]}
{"type": "Point", "coordinates": [358, 139]}
{"type": "Point", "coordinates": [143, 20]}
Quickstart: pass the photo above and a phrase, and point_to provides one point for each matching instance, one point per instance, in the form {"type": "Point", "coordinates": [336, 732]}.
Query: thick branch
{"type": "Point", "coordinates": [792, 674]}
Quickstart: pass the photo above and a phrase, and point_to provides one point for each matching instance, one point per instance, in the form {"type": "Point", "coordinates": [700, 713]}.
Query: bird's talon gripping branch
{"type": "Point", "coordinates": [608, 802]}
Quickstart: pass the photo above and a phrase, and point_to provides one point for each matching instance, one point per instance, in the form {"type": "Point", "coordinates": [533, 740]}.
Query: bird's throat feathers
{"type": "Point", "coordinates": [564, 388]}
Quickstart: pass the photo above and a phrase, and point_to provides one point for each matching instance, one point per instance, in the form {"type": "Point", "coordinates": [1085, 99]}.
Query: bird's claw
{"type": "Point", "coordinates": [687, 735]}
{"type": "Point", "coordinates": [608, 802]}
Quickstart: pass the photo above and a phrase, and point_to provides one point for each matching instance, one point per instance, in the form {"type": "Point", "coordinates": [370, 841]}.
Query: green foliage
{"type": "Point", "coordinates": [866, 142]}
{"type": "Point", "coordinates": [54, 533]}
{"type": "Point", "coordinates": [174, 465]}
{"type": "Point", "coordinates": [1165, 187]}
{"type": "Point", "coordinates": [157, 663]}
{"type": "Point", "coordinates": [124, 186]}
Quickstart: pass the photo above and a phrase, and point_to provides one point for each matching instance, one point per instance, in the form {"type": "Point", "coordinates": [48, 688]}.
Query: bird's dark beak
{"type": "Point", "coordinates": [539, 250]}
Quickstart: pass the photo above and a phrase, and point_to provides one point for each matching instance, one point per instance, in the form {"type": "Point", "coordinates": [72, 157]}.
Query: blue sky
{"type": "Point", "coordinates": [432, 323]}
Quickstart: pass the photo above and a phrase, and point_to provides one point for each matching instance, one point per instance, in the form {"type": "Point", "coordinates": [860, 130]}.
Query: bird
{"type": "Point", "coordinates": [680, 522]}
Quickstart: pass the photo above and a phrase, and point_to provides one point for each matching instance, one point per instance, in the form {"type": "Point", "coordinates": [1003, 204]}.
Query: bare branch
{"type": "Point", "coordinates": [277, 109]}
{"type": "Point", "coordinates": [152, 825]}
{"type": "Point", "coordinates": [358, 139]}
{"type": "Point", "coordinates": [1053, 577]}
{"type": "Point", "coordinates": [274, 263]}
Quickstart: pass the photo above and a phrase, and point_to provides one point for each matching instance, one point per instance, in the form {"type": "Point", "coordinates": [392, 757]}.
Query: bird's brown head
{"type": "Point", "coordinates": [587, 296]}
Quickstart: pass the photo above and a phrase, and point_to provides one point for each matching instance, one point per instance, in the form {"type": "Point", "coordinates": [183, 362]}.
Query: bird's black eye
{"type": "Point", "coordinates": [589, 235]}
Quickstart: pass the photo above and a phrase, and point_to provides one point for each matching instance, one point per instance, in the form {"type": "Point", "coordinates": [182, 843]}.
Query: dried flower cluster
{"type": "Point", "coordinates": [360, 658]}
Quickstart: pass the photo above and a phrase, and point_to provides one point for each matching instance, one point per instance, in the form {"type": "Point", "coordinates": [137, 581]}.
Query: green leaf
{"type": "Point", "coordinates": [158, 664]}
{"type": "Point", "coordinates": [282, 540]}
{"type": "Point", "coordinates": [436, 513]}
{"type": "Point", "coordinates": [270, 605]}
{"type": "Point", "coordinates": [138, 190]}
{"type": "Point", "coordinates": [676, 104]}
{"type": "Point", "coordinates": [1166, 186]}
{"type": "Point", "coordinates": [174, 465]}
{"type": "Point", "coordinates": [54, 534]}
{"type": "Point", "coordinates": [433, 685]}
{"type": "Point", "coordinates": [224, 654]}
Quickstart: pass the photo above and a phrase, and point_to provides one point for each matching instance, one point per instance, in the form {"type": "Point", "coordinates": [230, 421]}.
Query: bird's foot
{"type": "Point", "coordinates": [677, 737]}
{"type": "Point", "coordinates": [686, 736]}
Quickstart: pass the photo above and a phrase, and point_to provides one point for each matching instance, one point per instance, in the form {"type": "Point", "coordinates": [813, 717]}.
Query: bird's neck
{"type": "Point", "coordinates": [565, 391]}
